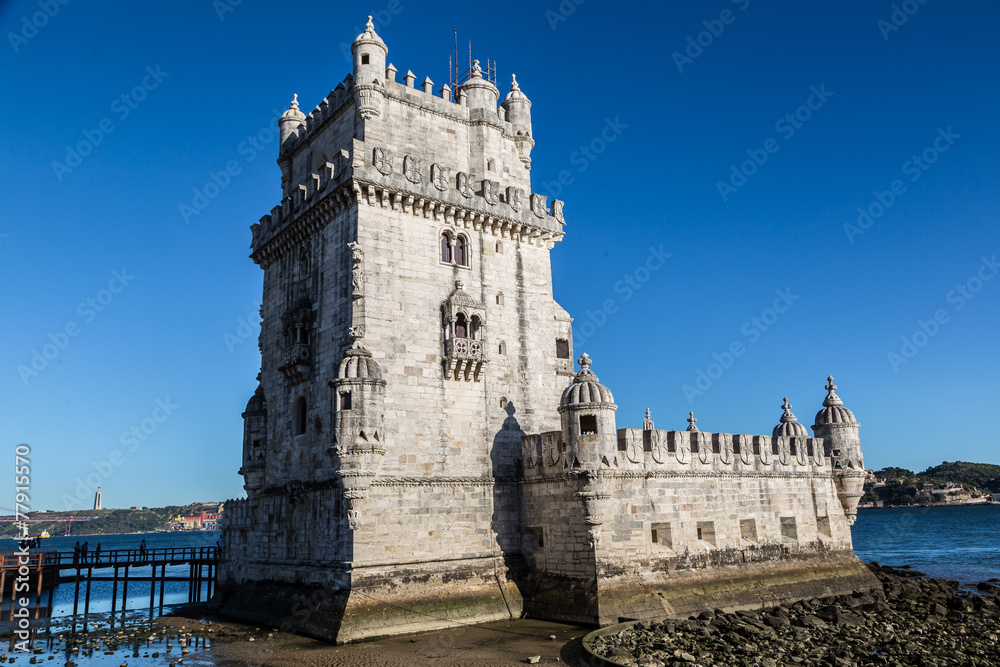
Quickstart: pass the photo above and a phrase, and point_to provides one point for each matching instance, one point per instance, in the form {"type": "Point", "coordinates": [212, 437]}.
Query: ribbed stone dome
{"type": "Point", "coordinates": [833, 411]}
{"type": "Point", "coordinates": [359, 364]}
{"type": "Point", "coordinates": [515, 93]}
{"type": "Point", "coordinates": [789, 425]}
{"type": "Point", "coordinates": [369, 35]}
{"type": "Point", "coordinates": [586, 388]}
{"type": "Point", "coordinates": [257, 403]}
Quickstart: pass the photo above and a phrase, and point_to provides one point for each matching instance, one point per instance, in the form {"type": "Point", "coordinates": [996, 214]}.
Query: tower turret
{"type": "Point", "coordinates": [518, 108]}
{"type": "Point", "coordinates": [291, 120]}
{"type": "Point", "coordinates": [254, 441]}
{"type": "Point", "coordinates": [480, 93]}
{"type": "Point", "coordinates": [370, 54]}
{"type": "Point", "coordinates": [789, 426]}
{"type": "Point", "coordinates": [842, 444]}
{"type": "Point", "coordinates": [588, 419]}
{"type": "Point", "coordinates": [359, 435]}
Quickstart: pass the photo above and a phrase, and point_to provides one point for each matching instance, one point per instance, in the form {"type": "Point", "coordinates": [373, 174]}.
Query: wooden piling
{"type": "Point", "coordinates": [125, 591]}
{"type": "Point", "coordinates": [76, 592]}
{"type": "Point", "coordinates": [86, 603]}
{"type": "Point", "coordinates": [114, 593]}
{"type": "Point", "coordinates": [163, 582]}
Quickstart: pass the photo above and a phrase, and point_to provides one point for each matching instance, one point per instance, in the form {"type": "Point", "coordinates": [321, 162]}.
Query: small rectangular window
{"type": "Point", "coordinates": [562, 348]}
{"type": "Point", "coordinates": [588, 424]}
{"type": "Point", "coordinates": [706, 532]}
{"type": "Point", "coordinates": [364, 59]}
{"type": "Point", "coordinates": [788, 528]}
{"type": "Point", "coordinates": [661, 536]}
{"type": "Point", "coordinates": [345, 400]}
{"type": "Point", "coordinates": [748, 530]}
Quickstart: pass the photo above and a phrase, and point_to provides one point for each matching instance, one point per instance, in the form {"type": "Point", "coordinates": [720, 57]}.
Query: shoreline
{"type": "Point", "coordinates": [931, 506]}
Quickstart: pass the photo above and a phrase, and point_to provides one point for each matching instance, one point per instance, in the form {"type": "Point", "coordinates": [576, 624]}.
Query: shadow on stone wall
{"type": "Point", "coordinates": [505, 460]}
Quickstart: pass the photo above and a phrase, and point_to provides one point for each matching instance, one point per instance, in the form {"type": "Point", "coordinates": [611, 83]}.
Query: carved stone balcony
{"type": "Point", "coordinates": [464, 358]}
{"type": "Point", "coordinates": [298, 361]}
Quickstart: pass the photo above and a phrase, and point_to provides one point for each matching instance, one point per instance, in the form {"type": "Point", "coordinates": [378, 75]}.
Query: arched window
{"type": "Point", "coordinates": [446, 247]}
{"type": "Point", "coordinates": [490, 165]}
{"type": "Point", "coordinates": [474, 327]}
{"type": "Point", "coordinates": [461, 326]}
{"type": "Point", "coordinates": [461, 251]}
{"type": "Point", "coordinates": [300, 416]}
{"type": "Point", "coordinates": [499, 298]}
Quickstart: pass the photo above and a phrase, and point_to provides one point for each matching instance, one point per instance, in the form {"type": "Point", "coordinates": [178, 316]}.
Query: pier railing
{"type": "Point", "coordinates": [47, 569]}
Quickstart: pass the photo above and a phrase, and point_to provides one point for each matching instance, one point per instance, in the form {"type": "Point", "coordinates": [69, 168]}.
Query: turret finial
{"type": "Point", "coordinates": [832, 400]}
{"type": "Point", "coordinates": [513, 82]}
{"type": "Point", "coordinates": [584, 361]}
{"type": "Point", "coordinates": [691, 422]}
{"type": "Point", "coordinates": [295, 101]}
{"type": "Point", "coordinates": [369, 25]}
{"type": "Point", "coordinates": [477, 71]}
{"type": "Point", "coordinates": [788, 417]}
{"type": "Point", "coordinates": [647, 424]}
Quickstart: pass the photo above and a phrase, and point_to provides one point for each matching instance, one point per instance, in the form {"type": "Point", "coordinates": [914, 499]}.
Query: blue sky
{"type": "Point", "coordinates": [661, 143]}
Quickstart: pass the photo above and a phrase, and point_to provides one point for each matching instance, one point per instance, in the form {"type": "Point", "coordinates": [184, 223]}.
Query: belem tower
{"type": "Point", "coordinates": [423, 451]}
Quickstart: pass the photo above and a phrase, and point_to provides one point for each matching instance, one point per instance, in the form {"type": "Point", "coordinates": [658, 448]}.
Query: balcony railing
{"type": "Point", "coordinates": [465, 348]}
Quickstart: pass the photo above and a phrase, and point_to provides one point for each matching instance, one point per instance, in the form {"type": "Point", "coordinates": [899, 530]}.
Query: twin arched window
{"type": "Point", "coordinates": [454, 250]}
{"type": "Point", "coordinates": [466, 328]}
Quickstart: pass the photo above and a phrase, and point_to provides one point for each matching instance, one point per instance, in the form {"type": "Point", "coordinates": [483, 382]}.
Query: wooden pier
{"type": "Point", "coordinates": [47, 569]}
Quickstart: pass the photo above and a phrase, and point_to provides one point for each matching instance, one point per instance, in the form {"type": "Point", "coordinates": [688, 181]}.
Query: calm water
{"type": "Point", "coordinates": [960, 543]}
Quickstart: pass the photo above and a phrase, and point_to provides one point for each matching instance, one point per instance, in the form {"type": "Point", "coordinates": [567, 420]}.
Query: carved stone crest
{"type": "Point", "coordinates": [491, 191]}
{"type": "Point", "coordinates": [515, 198]}
{"type": "Point", "coordinates": [465, 186]}
{"type": "Point", "coordinates": [412, 169]}
{"type": "Point", "coordinates": [382, 159]}
{"type": "Point", "coordinates": [440, 176]}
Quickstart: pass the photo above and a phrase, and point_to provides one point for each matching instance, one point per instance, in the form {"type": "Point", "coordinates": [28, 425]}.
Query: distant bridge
{"type": "Point", "coordinates": [7, 515]}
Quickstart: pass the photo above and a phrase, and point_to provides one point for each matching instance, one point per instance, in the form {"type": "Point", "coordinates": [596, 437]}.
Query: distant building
{"type": "Point", "coordinates": [200, 521]}
{"type": "Point", "coordinates": [97, 499]}
{"type": "Point", "coordinates": [996, 497]}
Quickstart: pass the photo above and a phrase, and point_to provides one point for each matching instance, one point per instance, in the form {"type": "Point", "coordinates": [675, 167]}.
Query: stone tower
{"type": "Point", "coordinates": [409, 338]}
{"type": "Point", "coordinates": [841, 434]}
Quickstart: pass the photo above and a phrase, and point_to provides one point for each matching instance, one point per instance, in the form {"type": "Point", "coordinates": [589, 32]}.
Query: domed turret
{"type": "Point", "coordinates": [842, 444]}
{"type": "Point", "coordinates": [254, 441]}
{"type": "Point", "coordinates": [518, 108]}
{"type": "Point", "coordinates": [359, 438]}
{"type": "Point", "coordinates": [370, 54]}
{"type": "Point", "coordinates": [291, 120]}
{"type": "Point", "coordinates": [480, 93]}
{"type": "Point", "coordinates": [588, 418]}
{"type": "Point", "coordinates": [789, 426]}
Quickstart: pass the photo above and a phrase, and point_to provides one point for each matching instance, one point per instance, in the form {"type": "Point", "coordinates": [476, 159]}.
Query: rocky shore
{"type": "Point", "coordinates": [913, 622]}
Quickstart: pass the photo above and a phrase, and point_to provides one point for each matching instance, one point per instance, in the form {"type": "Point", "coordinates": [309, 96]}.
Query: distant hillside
{"type": "Point", "coordinates": [106, 522]}
{"type": "Point", "coordinates": [902, 486]}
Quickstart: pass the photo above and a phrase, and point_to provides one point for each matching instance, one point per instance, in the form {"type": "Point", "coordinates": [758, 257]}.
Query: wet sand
{"type": "Point", "coordinates": [498, 644]}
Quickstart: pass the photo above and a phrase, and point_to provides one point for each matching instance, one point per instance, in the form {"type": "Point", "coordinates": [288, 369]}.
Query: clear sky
{"type": "Point", "coordinates": [739, 137]}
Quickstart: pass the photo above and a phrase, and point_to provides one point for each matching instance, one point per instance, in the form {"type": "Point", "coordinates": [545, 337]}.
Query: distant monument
{"type": "Point", "coordinates": [97, 499]}
{"type": "Point", "coordinates": [421, 450]}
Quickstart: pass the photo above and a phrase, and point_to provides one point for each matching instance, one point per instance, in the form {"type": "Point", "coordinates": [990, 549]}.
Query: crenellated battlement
{"type": "Point", "coordinates": [550, 453]}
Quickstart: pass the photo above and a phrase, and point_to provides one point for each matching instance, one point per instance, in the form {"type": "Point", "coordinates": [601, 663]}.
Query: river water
{"type": "Point", "coordinates": [960, 543]}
